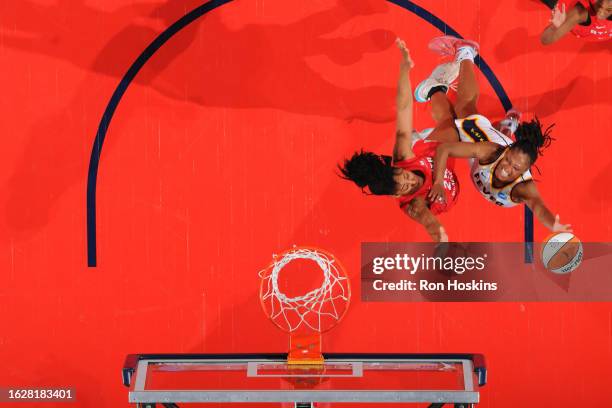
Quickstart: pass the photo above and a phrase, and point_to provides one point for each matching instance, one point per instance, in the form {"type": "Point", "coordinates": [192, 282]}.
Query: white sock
{"type": "Point", "coordinates": [464, 53]}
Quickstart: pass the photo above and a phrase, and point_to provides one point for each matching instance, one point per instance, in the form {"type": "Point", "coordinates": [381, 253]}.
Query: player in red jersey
{"type": "Point", "coordinates": [588, 19]}
{"type": "Point", "coordinates": [407, 174]}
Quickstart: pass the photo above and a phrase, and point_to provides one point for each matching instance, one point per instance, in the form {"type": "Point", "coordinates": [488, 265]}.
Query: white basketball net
{"type": "Point", "coordinates": [316, 309]}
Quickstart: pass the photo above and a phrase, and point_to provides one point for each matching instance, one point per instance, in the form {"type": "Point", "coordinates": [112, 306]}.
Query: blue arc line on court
{"type": "Point", "coordinates": [183, 22]}
{"type": "Point", "coordinates": [127, 79]}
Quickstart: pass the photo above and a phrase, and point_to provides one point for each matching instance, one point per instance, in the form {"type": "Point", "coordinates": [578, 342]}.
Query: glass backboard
{"type": "Point", "coordinates": [268, 378]}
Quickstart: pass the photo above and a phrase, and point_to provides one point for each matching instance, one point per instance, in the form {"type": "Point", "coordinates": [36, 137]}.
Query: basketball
{"type": "Point", "coordinates": [562, 252]}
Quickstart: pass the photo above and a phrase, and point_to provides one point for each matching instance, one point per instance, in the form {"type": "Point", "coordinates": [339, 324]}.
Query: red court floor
{"type": "Point", "coordinates": [223, 151]}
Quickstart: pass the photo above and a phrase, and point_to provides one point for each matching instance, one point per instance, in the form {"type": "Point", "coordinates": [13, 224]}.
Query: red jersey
{"type": "Point", "coordinates": [593, 28]}
{"type": "Point", "coordinates": [425, 152]}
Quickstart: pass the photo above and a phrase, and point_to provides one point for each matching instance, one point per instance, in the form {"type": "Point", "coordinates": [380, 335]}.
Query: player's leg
{"type": "Point", "coordinates": [434, 89]}
{"type": "Point", "coordinates": [444, 115]}
{"type": "Point", "coordinates": [467, 90]}
{"type": "Point", "coordinates": [442, 109]}
{"type": "Point", "coordinates": [463, 52]}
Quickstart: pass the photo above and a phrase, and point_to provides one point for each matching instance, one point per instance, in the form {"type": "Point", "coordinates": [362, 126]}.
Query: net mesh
{"type": "Point", "coordinates": [320, 309]}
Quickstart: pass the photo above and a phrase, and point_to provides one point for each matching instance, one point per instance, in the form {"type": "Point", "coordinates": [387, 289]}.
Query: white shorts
{"type": "Point", "coordinates": [477, 128]}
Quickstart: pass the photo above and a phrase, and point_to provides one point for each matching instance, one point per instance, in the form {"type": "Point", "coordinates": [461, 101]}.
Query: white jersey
{"type": "Point", "coordinates": [477, 128]}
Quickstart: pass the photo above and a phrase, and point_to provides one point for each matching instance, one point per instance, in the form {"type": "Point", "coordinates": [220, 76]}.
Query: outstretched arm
{"type": "Point", "coordinates": [403, 133]}
{"type": "Point", "coordinates": [478, 151]}
{"type": "Point", "coordinates": [418, 211]}
{"type": "Point", "coordinates": [528, 193]}
{"type": "Point", "coordinates": [562, 23]}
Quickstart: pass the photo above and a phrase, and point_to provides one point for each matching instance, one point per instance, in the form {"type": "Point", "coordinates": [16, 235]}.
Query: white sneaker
{"type": "Point", "coordinates": [442, 75]}
{"type": "Point", "coordinates": [511, 122]}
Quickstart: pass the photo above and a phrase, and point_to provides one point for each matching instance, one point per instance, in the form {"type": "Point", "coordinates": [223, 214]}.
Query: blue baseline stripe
{"type": "Point", "coordinates": [185, 21]}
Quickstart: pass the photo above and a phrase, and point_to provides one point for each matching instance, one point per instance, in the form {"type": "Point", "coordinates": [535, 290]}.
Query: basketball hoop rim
{"type": "Point", "coordinates": [281, 255]}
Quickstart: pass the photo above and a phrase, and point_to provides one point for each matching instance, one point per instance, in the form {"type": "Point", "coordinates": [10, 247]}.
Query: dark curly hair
{"type": "Point", "coordinates": [367, 169]}
{"type": "Point", "coordinates": [531, 139]}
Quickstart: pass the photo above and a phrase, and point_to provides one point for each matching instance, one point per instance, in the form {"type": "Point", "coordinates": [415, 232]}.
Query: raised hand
{"type": "Point", "coordinates": [443, 236]}
{"type": "Point", "coordinates": [558, 227]}
{"type": "Point", "coordinates": [405, 52]}
{"type": "Point", "coordinates": [436, 193]}
{"type": "Point", "coordinates": [558, 16]}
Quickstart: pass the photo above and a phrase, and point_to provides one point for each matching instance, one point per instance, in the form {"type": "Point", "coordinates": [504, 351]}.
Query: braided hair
{"type": "Point", "coordinates": [531, 139]}
{"type": "Point", "coordinates": [371, 170]}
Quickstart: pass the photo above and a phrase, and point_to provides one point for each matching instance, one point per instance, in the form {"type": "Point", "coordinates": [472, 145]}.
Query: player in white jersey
{"type": "Point", "coordinates": [500, 166]}
{"type": "Point", "coordinates": [476, 129]}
